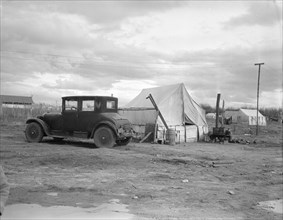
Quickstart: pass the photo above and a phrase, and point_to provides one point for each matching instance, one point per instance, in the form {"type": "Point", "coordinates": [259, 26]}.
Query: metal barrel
{"type": "Point", "coordinates": [171, 135]}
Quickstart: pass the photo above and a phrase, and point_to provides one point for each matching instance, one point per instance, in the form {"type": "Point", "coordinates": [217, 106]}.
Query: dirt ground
{"type": "Point", "coordinates": [192, 180]}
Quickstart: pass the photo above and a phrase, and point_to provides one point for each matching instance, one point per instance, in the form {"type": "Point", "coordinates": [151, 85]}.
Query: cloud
{"type": "Point", "coordinates": [107, 14]}
{"type": "Point", "coordinates": [272, 98]}
{"type": "Point", "coordinates": [262, 13]}
{"type": "Point", "coordinates": [47, 28]}
{"type": "Point", "coordinates": [111, 13]}
{"type": "Point", "coordinates": [231, 72]}
{"type": "Point", "coordinates": [121, 47]}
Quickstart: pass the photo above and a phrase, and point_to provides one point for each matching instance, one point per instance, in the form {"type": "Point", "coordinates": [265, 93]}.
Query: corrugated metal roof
{"type": "Point", "coordinates": [10, 99]}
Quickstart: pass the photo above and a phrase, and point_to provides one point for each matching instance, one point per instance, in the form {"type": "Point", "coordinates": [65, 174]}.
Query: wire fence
{"type": "Point", "coordinates": [22, 114]}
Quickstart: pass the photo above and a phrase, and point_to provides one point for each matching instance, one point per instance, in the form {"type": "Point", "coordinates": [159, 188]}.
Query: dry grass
{"type": "Point", "coordinates": [271, 134]}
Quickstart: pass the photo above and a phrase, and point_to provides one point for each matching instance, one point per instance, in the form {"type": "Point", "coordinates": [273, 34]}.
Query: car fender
{"type": "Point", "coordinates": [107, 123]}
{"type": "Point", "coordinates": [43, 125]}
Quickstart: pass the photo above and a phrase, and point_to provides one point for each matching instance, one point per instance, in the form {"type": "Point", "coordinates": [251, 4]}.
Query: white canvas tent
{"type": "Point", "coordinates": [249, 116]}
{"type": "Point", "coordinates": [246, 116]}
{"type": "Point", "coordinates": [178, 108]}
{"type": "Point", "coordinates": [211, 115]}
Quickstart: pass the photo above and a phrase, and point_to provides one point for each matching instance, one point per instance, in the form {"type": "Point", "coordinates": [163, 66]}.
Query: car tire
{"type": "Point", "coordinates": [34, 132]}
{"type": "Point", "coordinates": [104, 137]}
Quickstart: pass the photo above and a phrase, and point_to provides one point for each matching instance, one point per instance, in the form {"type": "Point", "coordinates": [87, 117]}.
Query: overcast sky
{"type": "Point", "coordinates": [51, 49]}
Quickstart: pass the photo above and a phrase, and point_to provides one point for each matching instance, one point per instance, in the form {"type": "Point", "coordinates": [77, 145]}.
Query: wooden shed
{"type": "Point", "coordinates": [14, 107]}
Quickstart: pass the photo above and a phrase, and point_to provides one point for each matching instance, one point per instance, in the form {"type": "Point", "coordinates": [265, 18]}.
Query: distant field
{"type": "Point", "coordinates": [271, 134]}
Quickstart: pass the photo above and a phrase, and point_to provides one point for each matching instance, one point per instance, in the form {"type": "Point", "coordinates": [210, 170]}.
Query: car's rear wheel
{"type": "Point", "coordinates": [104, 137]}
{"type": "Point", "coordinates": [34, 132]}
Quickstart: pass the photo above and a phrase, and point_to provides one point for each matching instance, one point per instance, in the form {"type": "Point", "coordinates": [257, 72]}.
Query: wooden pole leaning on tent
{"type": "Point", "coordinates": [157, 109]}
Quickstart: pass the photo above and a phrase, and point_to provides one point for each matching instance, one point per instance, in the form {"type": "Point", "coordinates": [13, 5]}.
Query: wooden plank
{"type": "Point", "coordinates": [145, 137]}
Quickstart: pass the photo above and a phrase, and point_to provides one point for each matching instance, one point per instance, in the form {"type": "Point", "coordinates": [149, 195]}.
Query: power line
{"type": "Point", "coordinates": [41, 54]}
{"type": "Point", "coordinates": [105, 64]}
{"type": "Point", "coordinates": [120, 61]}
{"type": "Point", "coordinates": [128, 65]}
{"type": "Point", "coordinates": [95, 64]}
{"type": "Point", "coordinates": [112, 64]}
{"type": "Point", "coordinates": [117, 63]}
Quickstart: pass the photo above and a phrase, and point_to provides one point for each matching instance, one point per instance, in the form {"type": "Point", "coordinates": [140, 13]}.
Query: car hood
{"type": "Point", "coordinates": [50, 116]}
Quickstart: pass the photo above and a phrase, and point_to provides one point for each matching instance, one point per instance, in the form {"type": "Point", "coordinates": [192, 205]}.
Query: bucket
{"type": "Point", "coordinates": [170, 134]}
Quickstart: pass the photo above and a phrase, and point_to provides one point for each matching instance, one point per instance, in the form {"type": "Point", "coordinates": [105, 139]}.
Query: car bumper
{"type": "Point", "coordinates": [125, 133]}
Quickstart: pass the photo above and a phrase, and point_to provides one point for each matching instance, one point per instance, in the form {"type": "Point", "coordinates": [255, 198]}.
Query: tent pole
{"type": "Point", "coordinates": [222, 120]}
{"type": "Point", "coordinates": [157, 109]}
{"type": "Point", "coordinates": [185, 132]}
{"type": "Point", "coordinates": [183, 113]}
{"type": "Point", "coordinates": [155, 129]}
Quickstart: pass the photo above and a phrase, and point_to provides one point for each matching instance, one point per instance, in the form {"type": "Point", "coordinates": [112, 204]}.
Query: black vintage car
{"type": "Point", "coordinates": [83, 117]}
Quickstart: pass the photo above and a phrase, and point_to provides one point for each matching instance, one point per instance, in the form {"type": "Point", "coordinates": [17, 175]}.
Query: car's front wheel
{"type": "Point", "coordinates": [34, 132]}
{"type": "Point", "coordinates": [104, 137]}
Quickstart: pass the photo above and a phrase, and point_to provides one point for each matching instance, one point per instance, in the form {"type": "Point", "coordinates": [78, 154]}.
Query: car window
{"type": "Point", "coordinates": [71, 105]}
{"type": "Point", "coordinates": [88, 105]}
{"type": "Point", "coordinates": [110, 104]}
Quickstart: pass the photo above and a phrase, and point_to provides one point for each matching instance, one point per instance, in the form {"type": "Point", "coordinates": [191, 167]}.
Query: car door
{"type": "Point", "coordinates": [88, 115]}
{"type": "Point", "coordinates": [70, 115]}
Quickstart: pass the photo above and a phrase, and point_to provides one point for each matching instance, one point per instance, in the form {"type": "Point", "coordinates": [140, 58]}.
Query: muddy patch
{"type": "Point", "coordinates": [274, 206]}
{"type": "Point", "coordinates": [111, 210]}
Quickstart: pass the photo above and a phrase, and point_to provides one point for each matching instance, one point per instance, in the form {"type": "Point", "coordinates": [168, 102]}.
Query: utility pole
{"type": "Point", "coordinates": [258, 78]}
